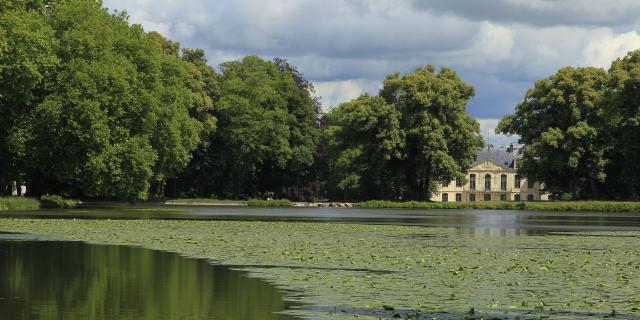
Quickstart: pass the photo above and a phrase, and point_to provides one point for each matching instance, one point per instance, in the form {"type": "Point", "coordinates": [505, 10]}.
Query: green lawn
{"type": "Point", "coordinates": [368, 270]}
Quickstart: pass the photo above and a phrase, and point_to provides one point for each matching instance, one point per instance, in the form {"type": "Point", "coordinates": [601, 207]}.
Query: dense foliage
{"type": "Point", "coordinates": [580, 130]}
{"type": "Point", "coordinates": [266, 137]}
{"type": "Point", "coordinates": [404, 142]}
{"type": "Point", "coordinates": [94, 107]}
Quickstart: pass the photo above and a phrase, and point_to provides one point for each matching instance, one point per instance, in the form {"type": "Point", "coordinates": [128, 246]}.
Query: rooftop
{"type": "Point", "coordinates": [499, 155]}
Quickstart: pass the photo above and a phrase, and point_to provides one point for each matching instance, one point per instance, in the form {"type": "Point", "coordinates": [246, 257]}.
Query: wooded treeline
{"type": "Point", "coordinates": [581, 131]}
{"type": "Point", "coordinates": [93, 107]}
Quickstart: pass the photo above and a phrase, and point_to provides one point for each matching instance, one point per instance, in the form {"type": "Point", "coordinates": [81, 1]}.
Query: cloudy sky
{"type": "Point", "coordinates": [346, 47]}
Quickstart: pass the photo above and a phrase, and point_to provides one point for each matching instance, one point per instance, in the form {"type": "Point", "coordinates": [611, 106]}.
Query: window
{"type": "Point", "coordinates": [472, 197]}
{"type": "Point", "coordinates": [487, 197]}
{"type": "Point", "coordinates": [458, 197]}
{"type": "Point", "coordinates": [517, 182]}
{"type": "Point", "coordinates": [503, 197]}
{"type": "Point", "coordinates": [503, 182]}
{"type": "Point", "coordinates": [458, 183]}
{"type": "Point", "coordinates": [530, 197]}
{"type": "Point", "coordinates": [445, 197]}
{"type": "Point", "coordinates": [516, 197]}
{"type": "Point", "coordinates": [472, 182]}
{"type": "Point", "coordinates": [530, 183]}
{"type": "Point", "coordinates": [487, 182]}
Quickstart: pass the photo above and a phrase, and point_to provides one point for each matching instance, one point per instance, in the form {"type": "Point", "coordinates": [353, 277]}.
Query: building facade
{"type": "Point", "coordinates": [492, 177]}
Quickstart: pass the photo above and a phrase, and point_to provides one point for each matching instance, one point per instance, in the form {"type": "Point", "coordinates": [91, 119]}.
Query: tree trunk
{"type": "Point", "coordinates": [4, 176]}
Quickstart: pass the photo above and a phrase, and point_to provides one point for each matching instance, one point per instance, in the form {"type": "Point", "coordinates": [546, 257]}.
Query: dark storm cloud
{"type": "Point", "coordinates": [540, 12]}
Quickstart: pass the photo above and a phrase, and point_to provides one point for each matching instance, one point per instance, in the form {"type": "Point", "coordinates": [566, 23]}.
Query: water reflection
{"type": "Point", "coordinates": [462, 222]}
{"type": "Point", "coordinates": [66, 280]}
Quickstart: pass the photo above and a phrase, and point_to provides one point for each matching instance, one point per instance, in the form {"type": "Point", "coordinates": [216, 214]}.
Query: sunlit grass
{"type": "Point", "coordinates": [18, 203]}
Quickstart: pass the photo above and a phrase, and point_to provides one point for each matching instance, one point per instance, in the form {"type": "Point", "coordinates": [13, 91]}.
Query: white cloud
{"type": "Point", "coordinates": [501, 47]}
{"type": "Point", "coordinates": [601, 51]}
{"type": "Point", "coordinates": [335, 92]}
{"type": "Point", "coordinates": [487, 129]}
{"type": "Point", "coordinates": [494, 42]}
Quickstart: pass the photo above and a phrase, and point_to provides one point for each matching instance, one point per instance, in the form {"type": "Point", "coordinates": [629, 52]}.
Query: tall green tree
{"type": "Point", "coordinates": [442, 140]}
{"type": "Point", "coordinates": [561, 122]}
{"type": "Point", "coordinates": [364, 144]}
{"type": "Point", "coordinates": [623, 114]}
{"type": "Point", "coordinates": [27, 59]}
{"type": "Point", "coordinates": [265, 139]}
{"type": "Point", "coordinates": [117, 112]}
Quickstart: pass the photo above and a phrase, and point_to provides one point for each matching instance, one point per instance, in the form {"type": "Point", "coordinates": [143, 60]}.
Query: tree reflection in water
{"type": "Point", "coordinates": [67, 280]}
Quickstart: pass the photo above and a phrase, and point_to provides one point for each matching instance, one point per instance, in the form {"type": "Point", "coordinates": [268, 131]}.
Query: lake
{"type": "Point", "coordinates": [72, 280]}
{"type": "Point", "coordinates": [466, 222]}
{"type": "Point", "coordinates": [533, 264]}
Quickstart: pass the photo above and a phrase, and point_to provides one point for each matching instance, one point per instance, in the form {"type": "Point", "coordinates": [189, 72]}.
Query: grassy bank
{"type": "Point", "coordinates": [371, 272]}
{"type": "Point", "coordinates": [18, 203]}
{"type": "Point", "coordinates": [594, 206]}
{"type": "Point", "coordinates": [270, 203]}
{"type": "Point", "coordinates": [206, 202]}
{"type": "Point", "coordinates": [216, 202]}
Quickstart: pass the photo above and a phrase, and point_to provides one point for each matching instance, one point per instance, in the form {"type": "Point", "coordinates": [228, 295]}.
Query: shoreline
{"type": "Point", "coordinates": [554, 206]}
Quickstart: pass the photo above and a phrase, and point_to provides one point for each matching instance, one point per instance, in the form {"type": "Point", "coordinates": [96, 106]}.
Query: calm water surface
{"type": "Point", "coordinates": [70, 280]}
{"type": "Point", "coordinates": [466, 222]}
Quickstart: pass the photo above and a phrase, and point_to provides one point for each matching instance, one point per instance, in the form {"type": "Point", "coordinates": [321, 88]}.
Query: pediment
{"type": "Point", "coordinates": [489, 165]}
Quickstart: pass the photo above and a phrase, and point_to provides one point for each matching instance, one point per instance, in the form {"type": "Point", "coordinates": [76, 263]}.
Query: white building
{"type": "Point", "coordinates": [493, 177]}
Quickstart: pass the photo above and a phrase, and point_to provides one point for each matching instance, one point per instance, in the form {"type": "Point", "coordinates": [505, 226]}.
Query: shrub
{"type": "Point", "coordinates": [56, 201]}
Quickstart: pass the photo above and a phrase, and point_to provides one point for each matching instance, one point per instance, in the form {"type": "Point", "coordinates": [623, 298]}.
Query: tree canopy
{"type": "Point", "coordinates": [415, 135]}
{"type": "Point", "coordinates": [266, 138]}
{"type": "Point", "coordinates": [93, 106]}
{"type": "Point", "coordinates": [102, 110]}
{"type": "Point", "coordinates": [580, 131]}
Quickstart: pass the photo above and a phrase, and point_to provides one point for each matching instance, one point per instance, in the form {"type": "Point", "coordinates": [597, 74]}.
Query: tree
{"type": "Point", "coordinates": [265, 139]}
{"type": "Point", "coordinates": [442, 140]}
{"type": "Point", "coordinates": [284, 66]}
{"type": "Point", "coordinates": [364, 140]}
{"type": "Point", "coordinates": [560, 122]}
{"type": "Point", "coordinates": [27, 60]}
{"type": "Point", "coordinates": [623, 119]}
{"type": "Point", "coordinates": [117, 114]}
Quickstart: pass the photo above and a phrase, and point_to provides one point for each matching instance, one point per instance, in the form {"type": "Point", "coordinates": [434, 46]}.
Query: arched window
{"type": "Point", "coordinates": [472, 182]}
{"type": "Point", "coordinates": [445, 197]}
{"type": "Point", "coordinates": [516, 197]}
{"type": "Point", "coordinates": [503, 182]}
{"type": "Point", "coordinates": [503, 197]}
{"type": "Point", "coordinates": [487, 182]}
{"type": "Point", "coordinates": [458, 197]}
